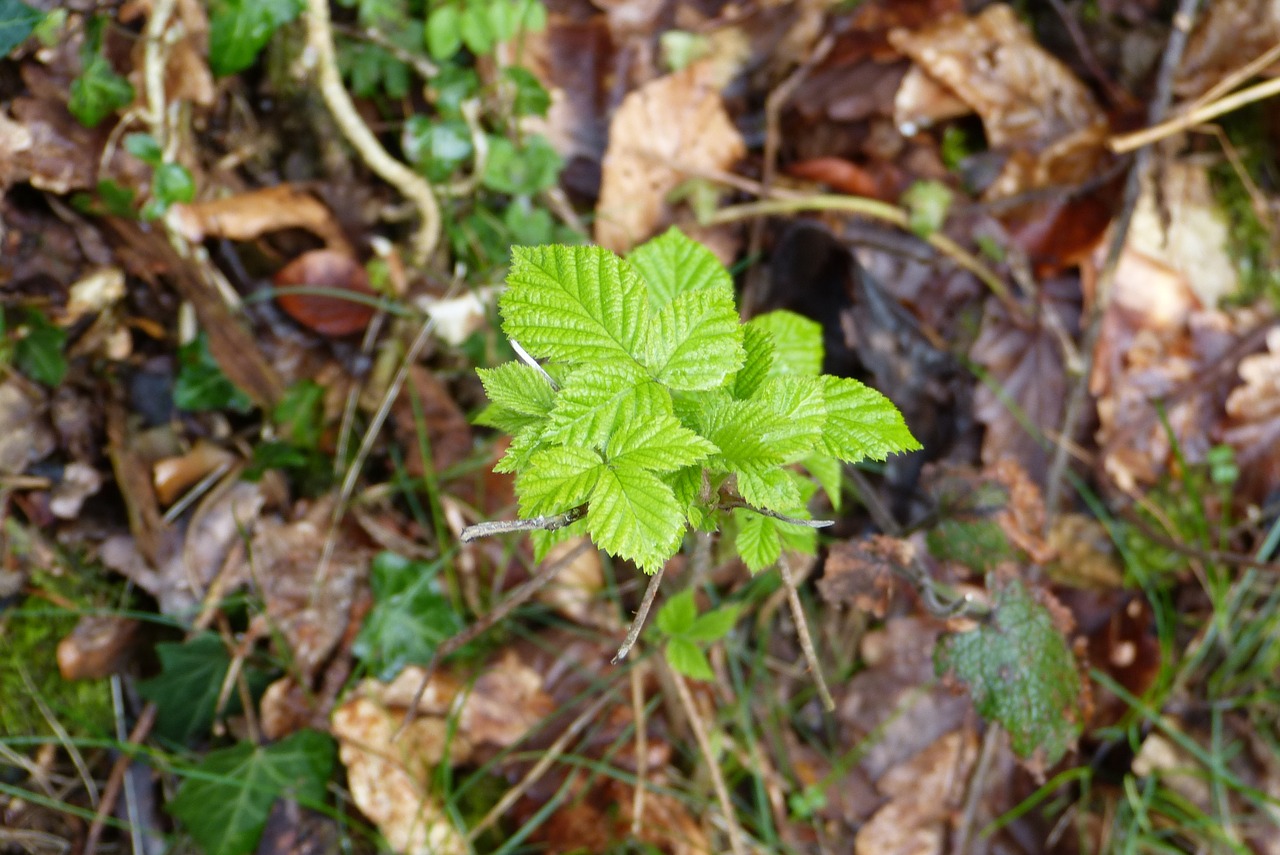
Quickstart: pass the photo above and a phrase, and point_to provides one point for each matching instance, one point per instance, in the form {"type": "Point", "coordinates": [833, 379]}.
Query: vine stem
{"type": "Point", "coordinates": [412, 185]}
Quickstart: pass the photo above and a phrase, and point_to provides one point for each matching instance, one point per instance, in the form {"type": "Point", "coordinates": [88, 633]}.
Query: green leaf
{"type": "Point", "coordinates": [531, 98]}
{"type": "Point", "coordinates": [768, 488]}
{"type": "Point", "coordinates": [558, 479]}
{"type": "Point", "coordinates": [687, 658]}
{"type": "Point", "coordinates": [829, 473]}
{"type": "Point", "coordinates": [589, 404]}
{"type": "Point", "coordinates": [436, 147]}
{"type": "Point", "coordinates": [519, 388]}
{"type": "Point", "coordinates": [796, 414]}
{"type": "Point", "coordinates": [757, 346]}
{"type": "Point", "coordinates": [1020, 672]}
{"type": "Point", "coordinates": [678, 614]}
{"type": "Point", "coordinates": [410, 616]}
{"type": "Point", "coordinates": [714, 625]}
{"type": "Point", "coordinates": [577, 304]}
{"type": "Point", "coordinates": [524, 443]}
{"type": "Point", "coordinates": [145, 148]}
{"type": "Point", "coordinates": [634, 515]}
{"type": "Point", "coordinates": [98, 92]}
{"type": "Point", "coordinates": [186, 689]}
{"type": "Point", "coordinates": [696, 341]}
{"type": "Point", "coordinates": [474, 28]}
{"type": "Point", "coordinates": [201, 385]}
{"type": "Point", "coordinates": [226, 801]}
{"type": "Point", "coordinates": [173, 183]}
{"type": "Point", "coordinates": [927, 204]}
{"type": "Point", "coordinates": [39, 353]}
{"type": "Point", "coordinates": [758, 540]}
{"type": "Point", "coordinates": [525, 169]}
{"type": "Point", "coordinates": [862, 423]}
{"type": "Point", "coordinates": [648, 436]}
{"type": "Point", "coordinates": [17, 21]}
{"type": "Point", "coordinates": [442, 33]}
{"type": "Point", "coordinates": [673, 264]}
{"type": "Point", "coordinates": [240, 29]}
{"type": "Point", "coordinates": [300, 413]}
{"type": "Point", "coordinates": [978, 544]}
{"type": "Point", "coordinates": [797, 343]}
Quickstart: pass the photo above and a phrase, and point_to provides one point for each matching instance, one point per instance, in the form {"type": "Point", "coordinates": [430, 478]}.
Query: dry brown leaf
{"type": "Point", "coordinates": [575, 590]}
{"type": "Point", "coordinates": [283, 561]}
{"type": "Point", "coordinates": [663, 133]}
{"type": "Point", "coordinates": [249, 215]}
{"type": "Point", "coordinates": [1031, 105]}
{"type": "Point", "coordinates": [1227, 36]}
{"type": "Point", "coordinates": [25, 434]}
{"type": "Point", "coordinates": [861, 573]}
{"type": "Point", "coordinates": [1254, 408]}
{"type": "Point", "coordinates": [923, 792]}
{"type": "Point", "coordinates": [599, 819]}
{"type": "Point", "coordinates": [388, 777]}
{"type": "Point", "coordinates": [1085, 554]}
{"type": "Point", "coordinates": [172, 476]}
{"type": "Point", "coordinates": [328, 315]}
{"type": "Point", "coordinates": [99, 646]}
{"type": "Point", "coordinates": [79, 481]}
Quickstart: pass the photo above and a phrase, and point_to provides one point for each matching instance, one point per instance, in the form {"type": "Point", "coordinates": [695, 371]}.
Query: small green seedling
{"type": "Point", "coordinates": [654, 410]}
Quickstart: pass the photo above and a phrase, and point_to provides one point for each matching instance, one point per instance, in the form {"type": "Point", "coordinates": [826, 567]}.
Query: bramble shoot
{"type": "Point", "coordinates": [655, 410]}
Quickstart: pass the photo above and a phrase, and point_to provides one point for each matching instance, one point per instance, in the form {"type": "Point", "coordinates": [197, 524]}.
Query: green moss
{"type": "Point", "coordinates": [1253, 246]}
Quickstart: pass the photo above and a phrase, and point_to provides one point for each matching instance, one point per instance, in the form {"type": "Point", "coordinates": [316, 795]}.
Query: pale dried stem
{"type": "Point", "coordinates": [1197, 116]}
{"type": "Point", "coordinates": [412, 185]}
{"type": "Point", "coordinates": [713, 768]}
{"type": "Point", "coordinates": [642, 749]}
{"type": "Point", "coordinates": [802, 632]}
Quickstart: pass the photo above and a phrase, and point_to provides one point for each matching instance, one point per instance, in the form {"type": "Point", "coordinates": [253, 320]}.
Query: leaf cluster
{"type": "Point", "coordinates": [658, 410]}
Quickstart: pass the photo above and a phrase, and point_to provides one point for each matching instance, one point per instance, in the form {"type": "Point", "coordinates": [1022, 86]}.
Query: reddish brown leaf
{"type": "Point", "coordinates": [325, 268]}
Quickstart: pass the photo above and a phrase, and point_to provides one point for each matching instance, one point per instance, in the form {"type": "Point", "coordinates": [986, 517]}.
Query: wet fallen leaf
{"type": "Point", "coordinates": [860, 574]}
{"type": "Point", "coordinates": [664, 132]}
{"type": "Point", "coordinates": [1031, 104]}
{"type": "Point", "coordinates": [98, 647]}
{"type": "Point", "coordinates": [327, 315]}
{"type": "Point", "coordinates": [25, 436]}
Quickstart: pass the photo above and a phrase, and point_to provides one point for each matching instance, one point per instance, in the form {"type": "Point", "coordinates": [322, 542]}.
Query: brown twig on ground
{"type": "Point", "coordinates": [802, 631]}
{"type": "Point", "coordinates": [637, 622]}
{"type": "Point", "coordinates": [713, 768]}
{"type": "Point", "coordinates": [412, 185]}
{"type": "Point", "coordinates": [115, 780]}
{"type": "Point", "coordinates": [642, 747]}
{"type": "Point", "coordinates": [1182, 20]}
{"type": "Point", "coordinates": [1197, 116]}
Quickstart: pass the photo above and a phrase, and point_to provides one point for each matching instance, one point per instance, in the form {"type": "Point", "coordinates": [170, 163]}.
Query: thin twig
{"type": "Point", "coordinates": [977, 789]}
{"type": "Point", "coordinates": [412, 185]}
{"type": "Point", "coordinates": [765, 512]}
{"type": "Point", "coordinates": [642, 748]}
{"type": "Point", "coordinates": [802, 631]}
{"type": "Point", "coordinates": [520, 595]}
{"type": "Point", "coordinates": [116, 779]}
{"type": "Point", "coordinates": [637, 623]}
{"type": "Point", "coordinates": [1074, 410]}
{"type": "Point", "coordinates": [550, 522]}
{"type": "Point", "coordinates": [713, 768]}
{"type": "Point", "coordinates": [1258, 92]}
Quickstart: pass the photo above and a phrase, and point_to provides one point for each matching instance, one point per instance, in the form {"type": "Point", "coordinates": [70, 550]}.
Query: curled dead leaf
{"type": "Point", "coordinates": [328, 315]}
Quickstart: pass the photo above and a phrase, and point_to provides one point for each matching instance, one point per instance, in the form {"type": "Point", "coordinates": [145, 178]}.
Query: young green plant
{"type": "Point", "coordinates": [654, 410]}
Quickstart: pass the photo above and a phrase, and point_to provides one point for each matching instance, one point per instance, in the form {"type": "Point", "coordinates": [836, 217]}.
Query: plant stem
{"type": "Point", "coordinates": [637, 623]}
{"type": "Point", "coordinates": [802, 631]}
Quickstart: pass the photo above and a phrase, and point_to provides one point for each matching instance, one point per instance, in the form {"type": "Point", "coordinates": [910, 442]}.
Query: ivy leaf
{"type": "Point", "coordinates": [757, 345]}
{"type": "Point", "coordinates": [1020, 673]}
{"type": "Point", "coordinates": [678, 614]}
{"type": "Point", "coordinates": [39, 353]}
{"type": "Point", "coordinates": [201, 385]}
{"type": "Point", "coordinates": [17, 20]}
{"type": "Point", "coordinates": [186, 689]}
{"type": "Point", "coordinates": [519, 388]}
{"type": "Point", "coordinates": [687, 658]}
{"type": "Point", "coordinates": [674, 264]}
{"type": "Point", "coordinates": [98, 92]}
{"type": "Point", "coordinates": [410, 616]}
{"type": "Point", "coordinates": [240, 29]}
{"type": "Point", "coordinates": [226, 806]}
{"type": "Point", "coordinates": [696, 341]}
{"type": "Point", "coordinates": [634, 515]}
{"type": "Point", "coordinates": [862, 423]}
{"type": "Point", "coordinates": [558, 479]}
{"type": "Point", "coordinates": [797, 342]}
{"type": "Point", "coordinates": [577, 304]}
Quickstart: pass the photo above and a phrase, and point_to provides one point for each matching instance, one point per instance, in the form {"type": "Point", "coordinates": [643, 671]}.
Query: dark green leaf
{"type": "Point", "coordinates": [186, 689]}
{"type": "Point", "coordinates": [979, 545]}
{"type": "Point", "coordinates": [437, 147]}
{"type": "Point", "coordinates": [226, 799]}
{"type": "Point", "coordinates": [442, 32]}
{"type": "Point", "coordinates": [526, 169]}
{"type": "Point", "coordinates": [173, 183]}
{"type": "Point", "coordinates": [300, 413]}
{"type": "Point", "coordinates": [39, 352]}
{"type": "Point", "coordinates": [410, 616]}
{"type": "Point", "coordinates": [145, 148]}
{"type": "Point", "coordinates": [98, 92]}
{"type": "Point", "coordinates": [240, 29]}
{"type": "Point", "coordinates": [1021, 673]}
{"type": "Point", "coordinates": [17, 20]}
{"type": "Point", "coordinates": [531, 99]}
{"type": "Point", "coordinates": [201, 385]}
